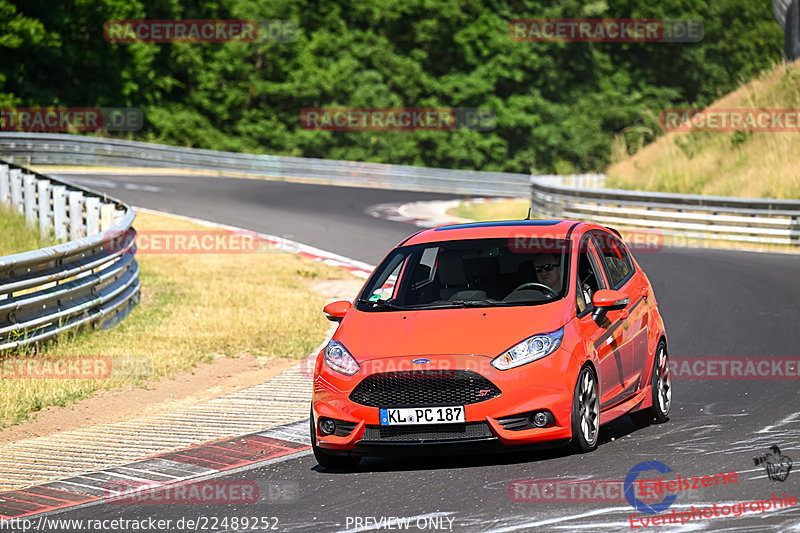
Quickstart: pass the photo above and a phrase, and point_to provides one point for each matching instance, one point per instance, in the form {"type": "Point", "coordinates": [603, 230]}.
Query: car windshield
{"type": "Point", "coordinates": [469, 273]}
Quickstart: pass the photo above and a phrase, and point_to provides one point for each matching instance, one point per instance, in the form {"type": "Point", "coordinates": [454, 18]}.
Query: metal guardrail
{"type": "Point", "coordinates": [64, 149]}
{"type": "Point", "coordinates": [89, 280]}
{"type": "Point", "coordinates": [580, 196]}
{"type": "Point", "coordinates": [686, 215]}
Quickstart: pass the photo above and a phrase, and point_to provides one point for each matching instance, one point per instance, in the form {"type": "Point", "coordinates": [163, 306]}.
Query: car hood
{"type": "Point", "coordinates": [487, 331]}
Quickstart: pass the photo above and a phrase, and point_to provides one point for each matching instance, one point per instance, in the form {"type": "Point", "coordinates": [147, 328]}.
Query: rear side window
{"type": "Point", "coordinates": [616, 259]}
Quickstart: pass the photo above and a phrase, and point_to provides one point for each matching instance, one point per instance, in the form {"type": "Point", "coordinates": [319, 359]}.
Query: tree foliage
{"type": "Point", "coordinates": [559, 106]}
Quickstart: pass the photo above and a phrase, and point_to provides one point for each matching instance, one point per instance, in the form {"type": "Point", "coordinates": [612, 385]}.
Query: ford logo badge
{"type": "Point", "coordinates": [422, 361]}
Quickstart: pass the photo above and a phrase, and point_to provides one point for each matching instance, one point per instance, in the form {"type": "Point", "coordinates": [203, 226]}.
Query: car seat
{"type": "Point", "coordinates": [453, 278]}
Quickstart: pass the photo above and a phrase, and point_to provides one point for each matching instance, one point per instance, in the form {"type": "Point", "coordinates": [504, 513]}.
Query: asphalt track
{"type": "Point", "coordinates": [714, 303]}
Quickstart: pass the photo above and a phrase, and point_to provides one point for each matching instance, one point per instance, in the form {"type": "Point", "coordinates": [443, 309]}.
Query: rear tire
{"type": "Point", "coordinates": [327, 459]}
{"type": "Point", "coordinates": [661, 389]}
{"type": "Point", "coordinates": [585, 412]}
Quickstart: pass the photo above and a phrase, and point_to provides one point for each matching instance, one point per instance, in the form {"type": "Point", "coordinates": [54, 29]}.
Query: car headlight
{"type": "Point", "coordinates": [530, 349]}
{"type": "Point", "coordinates": [338, 358]}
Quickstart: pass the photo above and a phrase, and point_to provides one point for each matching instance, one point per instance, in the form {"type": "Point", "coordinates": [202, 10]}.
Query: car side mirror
{"type": "Point", "coordinates": [606, 300]}
{"type": "Point", "coordinates": [335, 311]}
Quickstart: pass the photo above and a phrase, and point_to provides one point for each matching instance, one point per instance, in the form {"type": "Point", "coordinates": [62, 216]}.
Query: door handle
{"type": "Point", "coordinates": [645, 292]}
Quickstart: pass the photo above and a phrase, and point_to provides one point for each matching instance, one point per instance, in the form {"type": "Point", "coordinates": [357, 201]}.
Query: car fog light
{"type": "Point", "coordinates": [540, 419]}
{"type": "Point", "coordinates": [327, 426]}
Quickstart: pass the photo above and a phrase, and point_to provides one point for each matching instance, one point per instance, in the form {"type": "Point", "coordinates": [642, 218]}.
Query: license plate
{"type": "Point", "coordinates": [423, 415]}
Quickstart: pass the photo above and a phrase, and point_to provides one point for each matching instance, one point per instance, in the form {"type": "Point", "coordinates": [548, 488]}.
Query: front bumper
{"type": "Point", "coordinates": [536, 386]}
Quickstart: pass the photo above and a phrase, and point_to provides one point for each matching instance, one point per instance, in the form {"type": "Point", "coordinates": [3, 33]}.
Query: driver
{"type": "Point", "coordinates": [548, 271]}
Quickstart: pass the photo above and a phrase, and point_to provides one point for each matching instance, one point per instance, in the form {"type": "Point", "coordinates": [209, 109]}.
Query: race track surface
{"type": "Point", "coordinates": [714, 303]}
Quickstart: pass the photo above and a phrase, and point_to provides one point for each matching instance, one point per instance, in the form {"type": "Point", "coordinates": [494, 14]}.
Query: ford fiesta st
{"type": "Point", "coordinates": [531, 332]}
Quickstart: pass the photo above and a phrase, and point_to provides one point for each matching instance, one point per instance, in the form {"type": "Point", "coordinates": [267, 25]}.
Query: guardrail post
{"type": "Point", "coordinates": [43, 189]}
{"type": "Point", "coordinates": [29, 198]}
{"type": "Point", "coordinates": [76, 230]}
{"type": "Point", "coordinates": [16, 189]}
{"type": "Point", "coordinates": [92, 215]}
{"type": "Point", "coordinates": [5, 191]}
{"type": "Point", "coordinates": [106, 216]}
{"type": "Point", "coordinates": [60, 212]}
{"type": "Point", "coordinates": [119, 214]}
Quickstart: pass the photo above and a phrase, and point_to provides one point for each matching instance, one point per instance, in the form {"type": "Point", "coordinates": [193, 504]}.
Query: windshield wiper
{"type": "Point", "coordinates": [466, 303]}
{"type": "Point", "coordinates": [382, 304]}
{"type": "Point", "coordinates": [477, 303]}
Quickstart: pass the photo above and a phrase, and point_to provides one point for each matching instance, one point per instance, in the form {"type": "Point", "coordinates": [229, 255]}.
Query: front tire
{"type": "Point", "coordinates": [661, 389]}
{"type": "Point", "coordinates": [327, 459]}
{"type": "Point", "coordinates": [585, 412]}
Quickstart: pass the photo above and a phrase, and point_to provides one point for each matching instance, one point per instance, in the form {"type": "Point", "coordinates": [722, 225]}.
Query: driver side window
{"type": "Point", "coordinates": [588, 280]}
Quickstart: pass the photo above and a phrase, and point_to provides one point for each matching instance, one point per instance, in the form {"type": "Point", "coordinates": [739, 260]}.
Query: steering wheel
{"type": "Point", "coordinates": [539, 286]}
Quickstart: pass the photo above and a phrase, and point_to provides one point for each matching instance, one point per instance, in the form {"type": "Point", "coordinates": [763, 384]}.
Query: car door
{"type": "Point", "coordinates": [632, 322]}
{"type": "Point", "coordinates": [602, 341]}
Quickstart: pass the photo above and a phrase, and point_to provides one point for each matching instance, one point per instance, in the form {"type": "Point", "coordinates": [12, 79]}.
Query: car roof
{"type": "Point", "coordinates": [555, 229]}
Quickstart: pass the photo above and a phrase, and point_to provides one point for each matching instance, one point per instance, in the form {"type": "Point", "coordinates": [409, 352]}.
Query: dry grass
{"type": "Point", "coordinates": [194, 308]}
{"type": "Point", "coordinates": [16, 236]}
{"type": "Point", "coordinates": [744, 164]}
{"type": "Point", "coordinates": [493, 210]}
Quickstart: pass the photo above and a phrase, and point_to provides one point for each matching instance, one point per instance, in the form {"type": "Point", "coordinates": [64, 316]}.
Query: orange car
{"type": "Point", "coordinates": [529, 332]}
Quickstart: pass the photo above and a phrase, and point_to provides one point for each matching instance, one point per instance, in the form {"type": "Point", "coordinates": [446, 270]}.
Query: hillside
{"type": "Point", "coordinates": [761, 164]}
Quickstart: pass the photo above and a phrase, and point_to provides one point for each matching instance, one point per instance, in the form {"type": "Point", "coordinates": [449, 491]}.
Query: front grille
{"type": "Point", "coordinates": [470, 430]}
{"type": "Point", "coordinates": [424, 388]}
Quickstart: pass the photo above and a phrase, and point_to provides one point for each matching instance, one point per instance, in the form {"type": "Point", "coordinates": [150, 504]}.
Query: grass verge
{"type": "Point", "coordinates": [16, 236]}
{"type": "Point", "coordinates": [741, 163]}
{"type": "Point", "coordinates": [505, 209]}
{"type": "Point", "coordinates": [194, 308]}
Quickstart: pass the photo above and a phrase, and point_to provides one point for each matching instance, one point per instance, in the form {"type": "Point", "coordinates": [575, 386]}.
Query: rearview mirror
{"type": "Point", "coordinates": [335, 311]}
{"type": "Point", "coordinates": [606, 300]}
